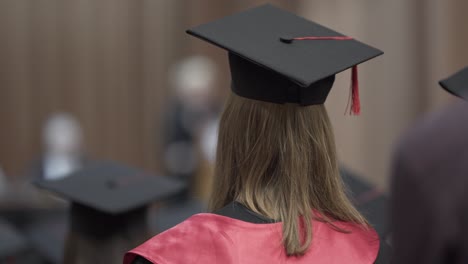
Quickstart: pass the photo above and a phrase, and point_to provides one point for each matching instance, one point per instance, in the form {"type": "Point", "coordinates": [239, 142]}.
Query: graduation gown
{"type": "Point", "coordinates": [237, 235]}
{"type": "Point", "coordinates": [429, 190]}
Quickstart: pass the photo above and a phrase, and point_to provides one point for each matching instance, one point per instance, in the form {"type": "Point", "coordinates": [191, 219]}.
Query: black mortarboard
{"type": "Point", "coordinates": [107, 196]}
{"type": "Point", "coordinates": [457, 84]}
{"type": "Point", "coordinates": [278, 57]}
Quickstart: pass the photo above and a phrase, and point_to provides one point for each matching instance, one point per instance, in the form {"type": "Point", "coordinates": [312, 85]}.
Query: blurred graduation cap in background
{"type": "Point", "coordinates": [105, 198]}
{"type": "Point", "coordinates": [457, 84]}
{"type": "Point", "coordinates": [111, 188]}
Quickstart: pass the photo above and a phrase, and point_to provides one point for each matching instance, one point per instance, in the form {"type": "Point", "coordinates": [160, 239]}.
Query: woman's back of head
{"type": "Point", "coordinates": [280, 161]}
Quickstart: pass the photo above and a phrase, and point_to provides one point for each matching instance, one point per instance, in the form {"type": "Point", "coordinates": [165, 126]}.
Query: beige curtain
{"type": "Point", "coordinates": [423, 42]}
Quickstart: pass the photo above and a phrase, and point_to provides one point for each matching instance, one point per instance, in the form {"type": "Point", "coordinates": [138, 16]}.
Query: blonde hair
{"type": "Point", "coordinates": [280, 161]}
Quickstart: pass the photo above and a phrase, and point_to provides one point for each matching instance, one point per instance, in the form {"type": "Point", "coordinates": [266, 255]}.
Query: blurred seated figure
{"type": "Point", "coordinates": [62, 154]}
{"type": "Point", "coordinates": [190, 114]}
{"type": "Point", "coordinates": [430, 177]}
{"type": "Point", "coordinates": [62, 141]}
{"type": "Point", "coordinates": [191, 109]}
{"type": "Point", "coordinates": [25, 206]}
{"type": "Point", "coordinates": [109, 209]}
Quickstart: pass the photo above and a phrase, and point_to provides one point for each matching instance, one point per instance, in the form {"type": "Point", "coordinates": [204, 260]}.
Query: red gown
{"type": "Point", "coordinates": [211, 238]}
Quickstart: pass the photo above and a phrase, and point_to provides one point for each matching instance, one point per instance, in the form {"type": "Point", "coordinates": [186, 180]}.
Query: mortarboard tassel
{"type": "Point", "coordinates": [324, 38]}
{"type": "Point", "coordinates": [355, 108]}
{"type": "Point", "coordinates": [355, 101]}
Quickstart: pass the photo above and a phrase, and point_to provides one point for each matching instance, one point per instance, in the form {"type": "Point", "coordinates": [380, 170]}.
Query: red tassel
{"type": "Point", "coordinates": [355, 101]}
{"type": "Point", "coordinates": [354, 96]}
{"type": "Point", "coordinates": [324, 38]}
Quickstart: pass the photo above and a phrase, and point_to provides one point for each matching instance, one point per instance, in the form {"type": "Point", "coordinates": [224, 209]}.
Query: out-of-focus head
{"type": "Point", "coordinates": [193, 79]}
{"type": "Point", "coordinates": [280, 160]}
{"type": "Point", "coordinates": [62, 135]}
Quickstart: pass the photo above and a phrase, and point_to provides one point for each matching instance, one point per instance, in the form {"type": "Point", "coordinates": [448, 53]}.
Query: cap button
{"type": "Point", "coordinates": [286, 39]}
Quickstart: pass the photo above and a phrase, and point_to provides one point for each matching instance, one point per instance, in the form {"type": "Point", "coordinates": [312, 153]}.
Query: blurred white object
{"type": "Point", "coordinates": [193, 79]}
{"type": "Point", "coordinates": [62, 135]}
{"type": "Point", "coordinates": [59, 167]}
{"type": "Point", "coordinates": [209, 140]}
{"type": "Point", "coordinates": [63, 139]}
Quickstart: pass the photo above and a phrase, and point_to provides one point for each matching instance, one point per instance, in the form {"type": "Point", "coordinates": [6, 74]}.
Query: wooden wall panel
{"type": "Point", "coordinates": [102, 61]}
{"type": "Point", "coordinates": [16, 131]}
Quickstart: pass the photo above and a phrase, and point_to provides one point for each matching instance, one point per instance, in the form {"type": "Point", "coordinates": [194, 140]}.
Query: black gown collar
{"type": "Point", "coordinates": [238, 211]}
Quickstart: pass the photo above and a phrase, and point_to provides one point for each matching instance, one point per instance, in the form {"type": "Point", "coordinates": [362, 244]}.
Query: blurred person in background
{"type": "Point", "coordinates": [23, 206]}
{"type": "Point", "coordinates": [430, 177]}
{"type": "Point", "coordinates": [192, 111]}
{"type": "Point", "coordinates": [42, 218]}
{"type": "Point", "coordinates": [193, 108]}
{"type": "Point", "coordinates": [278, 196]}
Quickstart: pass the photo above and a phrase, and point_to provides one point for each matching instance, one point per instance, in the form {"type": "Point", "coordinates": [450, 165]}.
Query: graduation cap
{"type": "Point", "coordinates": [105, 197]}
{"type": "Point", "coordinates": [276, 56]}
{"type": "Point", "coordinates": [457, 84]}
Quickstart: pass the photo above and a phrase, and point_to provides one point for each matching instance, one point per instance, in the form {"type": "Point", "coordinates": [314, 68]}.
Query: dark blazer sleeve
{"type": "Point", "coordinates": [422, 226]}
{"type": "Point", "coordinates": [408, 209]}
